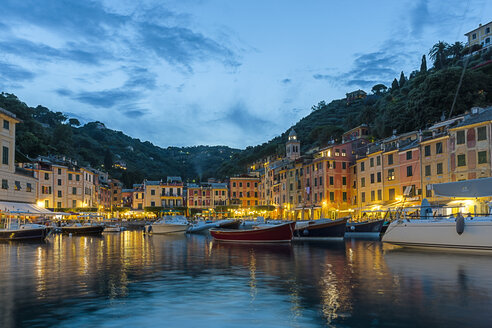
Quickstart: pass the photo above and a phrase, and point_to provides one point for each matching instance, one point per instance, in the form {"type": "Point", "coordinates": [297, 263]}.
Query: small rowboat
{"type": "Point", "coordinates": [281, 233]}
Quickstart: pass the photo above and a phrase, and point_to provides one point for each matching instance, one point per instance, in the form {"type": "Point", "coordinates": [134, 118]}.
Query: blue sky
{"type": "Point", "coordinates": [235, 73]}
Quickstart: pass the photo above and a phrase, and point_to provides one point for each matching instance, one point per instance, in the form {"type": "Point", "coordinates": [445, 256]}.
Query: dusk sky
{"type": "Point", "coordinates": [235, 73]}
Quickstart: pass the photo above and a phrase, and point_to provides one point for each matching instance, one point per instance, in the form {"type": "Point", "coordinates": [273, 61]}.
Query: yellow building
{"type": "Point", "coordinates": [470, 146]}
{"type": "Point", "coordinates": [63, 185]}
{"type": "Point", "coordinates": [370, 179]}
{"type": "Point", "coordinates": [18, 185]}
{"type": "Point", "coordinates": [166, 194]}
{"type": "Point", "coordinates": [481, 35]}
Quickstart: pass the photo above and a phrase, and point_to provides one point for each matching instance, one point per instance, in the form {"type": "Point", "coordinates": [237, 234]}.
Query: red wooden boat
{"type": "Point", "coordinates": [269, 234]}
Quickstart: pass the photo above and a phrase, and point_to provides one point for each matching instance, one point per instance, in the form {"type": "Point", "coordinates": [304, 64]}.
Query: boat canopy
{"type": "Point", "coordinates": [15, 208]}
{"type": "Point", "coordinates": [467, 188]}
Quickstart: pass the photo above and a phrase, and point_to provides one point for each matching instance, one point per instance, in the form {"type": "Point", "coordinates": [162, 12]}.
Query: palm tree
{"type": "Point", "coordinates": [438, 53]}
{"type": "Point", "coordinates": [456, 50]}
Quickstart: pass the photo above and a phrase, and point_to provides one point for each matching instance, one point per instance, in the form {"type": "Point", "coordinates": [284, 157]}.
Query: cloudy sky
{"type": "Point", "coordinates": [236, 73]}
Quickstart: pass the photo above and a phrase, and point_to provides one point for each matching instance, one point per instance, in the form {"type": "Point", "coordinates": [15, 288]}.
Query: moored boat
{"type": "Point", "coordinates": [168, 225]}
{"type": "Point", "coordinates": [472, 233]}
{"type": "Point", "coordinates": [322, 229]}
{"type": "Point", "coordinates": [201, 227]}
{"type": "Point", "coordinates": [229, 224]}
{"type": "Point", "coordinates": [25, 232]}
{"type": "Point", "coordinates": [79, 229]}
{"type": "Point", "coordinates": [274, 234]}
{"type": "Point", "coordinates": [366, 229]}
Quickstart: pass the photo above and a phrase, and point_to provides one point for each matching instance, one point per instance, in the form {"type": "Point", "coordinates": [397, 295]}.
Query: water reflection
{"type": "Point", "coordinates": [133, 279]}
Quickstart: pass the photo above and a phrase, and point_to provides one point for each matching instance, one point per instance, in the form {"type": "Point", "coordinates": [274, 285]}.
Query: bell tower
{"type": "Point", "coordinates": [293, 146]}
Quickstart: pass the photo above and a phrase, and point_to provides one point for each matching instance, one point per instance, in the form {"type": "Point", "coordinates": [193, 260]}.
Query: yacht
{"type": "Point", "coordinates": [473, 232]}
{"type": "Point", "coordinates": [173, 224]}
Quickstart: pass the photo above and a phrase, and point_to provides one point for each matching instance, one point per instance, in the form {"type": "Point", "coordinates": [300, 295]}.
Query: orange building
{"type": "Point", "coordinates": [243, 191]}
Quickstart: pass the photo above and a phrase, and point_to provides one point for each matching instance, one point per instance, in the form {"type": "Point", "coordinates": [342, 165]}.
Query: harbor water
{"type": "Point", "coordinates": [136, 280]}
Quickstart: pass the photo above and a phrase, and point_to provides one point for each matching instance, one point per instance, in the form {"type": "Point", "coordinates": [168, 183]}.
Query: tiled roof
{"type": "Point", "coordinates": [483, 115]}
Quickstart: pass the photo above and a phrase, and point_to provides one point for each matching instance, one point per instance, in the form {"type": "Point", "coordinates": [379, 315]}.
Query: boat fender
{"type": "Point", "coordinates": [352, 228]}
{"type": "Point", "coordinates": [460, 225]}
{"type": "Point", "coordinates": [305, 232]}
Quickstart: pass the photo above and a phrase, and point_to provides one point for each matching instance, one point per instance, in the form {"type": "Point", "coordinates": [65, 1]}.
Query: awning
{"type": "Point", "coordinates": [467, 188]}
{"type": "Point", "coordinates": [15, 208]}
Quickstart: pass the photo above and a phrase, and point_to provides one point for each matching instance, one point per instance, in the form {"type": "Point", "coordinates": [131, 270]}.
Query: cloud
{"type": "Point", "coordinates": [73, 52]}
{"type": "Point", "coordinates": [106, 98]}
{"type": "Point", "coordinates": [136, 113]}
{"type": "Point", "coordinates": [15, 73]}
{"type": "Point", "coordinates": [140, 77]}
{"type": "Point", "coordinates": [179, 45]}
{"type": "Point", "coordinates": [239, 116]}
{"type": "Point", "coordinates": [419, 17]}
{"type": "Point", "coordinates": [286, 81]}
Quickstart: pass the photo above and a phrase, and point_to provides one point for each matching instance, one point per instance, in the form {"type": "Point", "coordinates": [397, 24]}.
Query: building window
{"type": "Point", "coordinates": [344, 165]}
{"type": "Point", "coordinates": [439, 148]}
{"type": "Point", "coordinates": [371, 162]}
{"type": "Point", "coordinates": [240, 184]}
{"type": "Point", "coordinates": [59, 171]}
{"type": "Point", "coordinates": [315, 198]}
{"type": "Point", "coordinates": [6, 124]}
{"type": "Point", "coordinates": [74, 204]}
{"type": "Point", "coordinates": [362, 167]}
{"type": "Point", "coordinates": [344, 181]}
{"type": "Point", "coordinates": [59, 182]}
{"type": "Point", "coordinates": [233, 194]}
{"type": "Point", "coordinates": [363, 197]}
{"type": "Point", "coordinates": [74, 190]}
{"type": "Point", "coordinates": [5, 155]}
{"type": "Point", "coordinates": [152, 204]}
{"type": "Point", "coordinates": [390, 159]}
{"type": "Point", "coordinates": [240, 194]}
{"type": "Point", "coordinates": [152, 192]}
{"type": "Point", "coordinates": [59, 204]}
{"type": "Point", "coordinates": [77, 177]}
{"type": "Point", "coordinates": [46, 203]}
{"type": "Point", "coordinates": [332, 196]}
{"type": "Point", "coordinates": [372, 177]}
{"type": "Point", "coordinates": [320, 181]}
{"type": "Point", "coordinates": [439, 168]}
{"type": "Point", "coordinates": [487, 30]}
{"type": "Point", "coordinates": [233, 184]}
{"type": "Point", "coordinates": [482, 133]}
{"type": "Point", "coordinates": [373, 195]}
{"type": "Point", "coordinates": [344, 152]}
{"type": "Point", "coordinates": [409, 154]}
{"type": "Point", "coordinates": [474, 36]}
{"type": "Point", "coordinates": [409, 171]}
{"type": "Point", "coordinates": [5, 184]}
{"type": "Point", "coordinates": [17, 185]}
{"type": "Point", "coordinates": [362, 182]}
{"type": "Point", "coordinates": [391, 174]}
{"type": "Point", "coordinates": [331, 181]}
{"type": "Point", "coordinates": [379, 176]}
{"type": "Point", "coordinates": [427, 170]}
{"type": "Point", "coordinates": [461, 160]}
{"type": "Point", "coordinates": [391, 194]}
{"type": "Point", "coordinates": [482, 157]}
{"type": "Point", "coordinates": [28, 187]}
{"type": "Point", "coordinates": [70, 176]}
{"type": "Point", "coordinates": [427, 150]}
{"type": "Point", "coordinates": [460, 137]}
{"type": "Point", "coordinates": [344, 196]}
{"type": "Point", "coordinates": [380, 194]}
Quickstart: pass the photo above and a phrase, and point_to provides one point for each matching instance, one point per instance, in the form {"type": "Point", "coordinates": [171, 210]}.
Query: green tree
{"type": "Point", "coordinates": [379, 89]}
{"type": "Point", "coordinates": [438, 54]}
{"type": "Point", "coordinates": [456, 50]}
{"type": "Point", "coordinates": [394, 85]}
{"type": "Point", "coordinates": [108, 159]}
{"type": "Point", "coordinates": [74, 122]}
{"type": "Point", "coordinates": [423, 65]}
{"type": "Point", "coordinates": [403, 79]}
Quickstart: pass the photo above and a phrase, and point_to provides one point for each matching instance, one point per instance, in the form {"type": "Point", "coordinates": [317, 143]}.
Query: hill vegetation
{"type": "Point", "coordinates": [408, 104]}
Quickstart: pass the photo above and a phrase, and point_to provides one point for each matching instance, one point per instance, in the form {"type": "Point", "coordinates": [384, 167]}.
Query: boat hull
{"type": "Point", "coordinates": [329, 230]}
{"type": "Point", "coordinates": [369, 229]}
{"type": "Point", "coordinates": [441, 234]}
{"type": "Point", "coordinates": [281, 233]}
{"type": "Point", "coordinates": [84, 230]}
{"type": "Point", "coordinates": [231, 224]}
{"type": "Point", "coordinates": [167, 228]}
{"type": "Point", "coordinates": [24, 234]}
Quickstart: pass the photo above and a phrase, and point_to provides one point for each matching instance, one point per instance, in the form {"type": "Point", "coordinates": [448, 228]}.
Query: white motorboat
{"type": "Point", "coordinates": [471, 233]}
{"type": "Point", "coordinates": [168, 225]}
{"type": "Point", "coordinates": [201, 226]}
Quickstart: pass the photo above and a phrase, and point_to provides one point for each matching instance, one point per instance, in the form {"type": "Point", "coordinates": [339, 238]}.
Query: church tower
{"type": "Point", "coordinates": [293, 146]}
